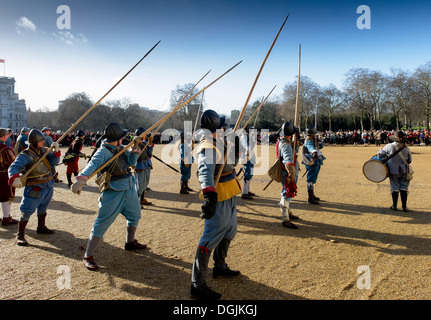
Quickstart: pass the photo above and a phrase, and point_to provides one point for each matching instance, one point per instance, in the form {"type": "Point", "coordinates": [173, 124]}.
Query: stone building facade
{"type": "Point", "coordinates": [13, 112]}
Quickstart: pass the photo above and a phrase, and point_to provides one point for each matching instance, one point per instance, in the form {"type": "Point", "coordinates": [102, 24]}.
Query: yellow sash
{"type": "Point", "coordinates": [225, 190]}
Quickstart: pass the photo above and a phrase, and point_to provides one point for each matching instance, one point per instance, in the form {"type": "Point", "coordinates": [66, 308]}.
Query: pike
{"type": "Point", "coordinates": [159, 122]}
{"type": "Point", "coordinates": [175, 108]}
{"type": "Point", "coordinates": [24, 177]}
{"type": "Point", "coordinates": [216, 180]}
{"type": "Point", "coordinates": [257, 110]}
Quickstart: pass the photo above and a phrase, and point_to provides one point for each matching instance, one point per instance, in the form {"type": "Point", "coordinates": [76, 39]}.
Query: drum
{"type": "Point", "coordinates": [375, 170]}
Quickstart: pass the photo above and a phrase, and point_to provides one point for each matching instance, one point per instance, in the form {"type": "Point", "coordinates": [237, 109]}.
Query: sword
{"type": "Point", "coordinates": [165, 163]}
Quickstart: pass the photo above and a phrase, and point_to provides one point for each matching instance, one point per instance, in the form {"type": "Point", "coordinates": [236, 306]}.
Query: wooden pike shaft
{"type": "Point", "coordinates": [257, 110]}
{"type": "Point", "coordinates": [161, 121]}
{"type": "Point", "coordinates": [24, 177]}
{"type": "Point", "coordinates": [297, 102]}
{"type": "Point", "coordinates": [175, 108]}
{"type": "Point", "coordinates": [216, 180]}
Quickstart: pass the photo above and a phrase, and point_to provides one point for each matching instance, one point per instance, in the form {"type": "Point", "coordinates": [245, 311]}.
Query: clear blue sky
{"type": "Point", "coordinates": [108, 37]}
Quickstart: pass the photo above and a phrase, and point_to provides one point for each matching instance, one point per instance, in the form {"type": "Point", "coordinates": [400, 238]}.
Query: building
{"type": "Point", "coordinates": [13, 112]}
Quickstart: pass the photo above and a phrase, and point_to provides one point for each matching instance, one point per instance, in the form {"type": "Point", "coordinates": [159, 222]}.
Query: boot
{"type": "Point", "coordinates": [188, 188]}
{"type": "Point", "coordinates": [8, 221]}
{"type": "Point", "coordinates": [221, 270]}
{"type": "Point", "coordinates": [394, 200]}
{"type": "Point", "coordinates": [311, 197]}
{"type": "Point", "coordinates": [285, 216]}
{"type": "Point", "coordinates": [183, 188]}
{"type": "Point", "coordinates": [69, 180]}
{"type": "Point", "coordinates": [143, 200]}
{"type": "Point", "coordinates": [245, 195]}
{"type": "Point", "coordinates": [20, 239]}
{"type": "Point", "coordinates": [41, 227]}
{"type": "Point", "coordinates": [199, 288]}
{"type": "Point", "coordinates": [404, 194]}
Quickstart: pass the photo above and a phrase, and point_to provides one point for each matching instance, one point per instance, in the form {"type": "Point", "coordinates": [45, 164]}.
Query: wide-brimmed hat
{"type": "Point", "coordinates": [114, 132]}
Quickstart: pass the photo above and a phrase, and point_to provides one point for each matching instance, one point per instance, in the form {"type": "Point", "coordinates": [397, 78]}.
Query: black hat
{"type": "Point", "coordinates": [212, 121]}
{"type": "Point", "coordinates": [139, 131]}
{"type": "Point", "coordinates": [310, 131]}
{"type": "Point", "coordinates": [114, 132]}
{"type": "Point", "coordinates": [287, 129]}
{"type": "Point", "coordinates": [400, 134]}
{"type": "Point", "coordinates": [80, 133]}
{"type": "Point", "coordinates": [35, 136]}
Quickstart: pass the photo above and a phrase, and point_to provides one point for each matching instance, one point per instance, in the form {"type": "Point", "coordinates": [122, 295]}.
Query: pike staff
{"type": "Point", "coordinates": [216, 180]}
{"type": "Point", "coordinates": [159, 122]}
{"type": "Point", "coordinates": [24, 177]}
{"type": "Point", "coordinates": [176, 108]}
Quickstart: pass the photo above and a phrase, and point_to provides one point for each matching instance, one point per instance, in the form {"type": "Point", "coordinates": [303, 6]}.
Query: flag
{"type": "Point", "coordinates": [1, 61]}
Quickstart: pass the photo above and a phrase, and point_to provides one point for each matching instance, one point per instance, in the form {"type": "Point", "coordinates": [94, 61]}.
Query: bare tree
{"type": "Point", "coordinates": [422, 77]}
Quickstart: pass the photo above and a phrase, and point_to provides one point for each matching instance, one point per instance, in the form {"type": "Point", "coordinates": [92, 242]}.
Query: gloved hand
{"type": "Point", "coordinates": [136, 141]}
{"type": "Point", "coordinates": [315, 154]}
{"type": "Point", "coordinates": [209, 206]}
{"type": "Point", "coordinates": [17, 182]}
{"type": "Point", "coordinates": [56, 146]}
{"type": "Point", "coordinates": [77, 185]}
{"type": "Point", "coordinates": [150, 140]}
{"type": "Point", "coordinates": [290, 172]}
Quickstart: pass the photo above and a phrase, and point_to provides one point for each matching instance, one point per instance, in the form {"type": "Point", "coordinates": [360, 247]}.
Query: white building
{"type": "Point", "coordinates": [13, 113]}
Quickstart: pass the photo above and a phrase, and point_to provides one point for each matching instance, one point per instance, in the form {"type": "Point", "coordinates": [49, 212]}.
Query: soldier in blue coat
{"type": "Point", "coordinates": [22, 141]}
{"type": "Point", "coordinates": [119, 197]}
{"type": "Point", "coordinates": [248, 167]}
{"type": "Point", "coordinates": [313, 160]}
{"type": "Point", "coordinates": [218, 209]}
{"type": "Point", "coordinates": [39, 185]}
{"type": "Point", "coordinates": [290, 168]}
{"type": "Point", "coordinates": [185, 164]}
{"type": "Point", "coordinates": [143, 166]}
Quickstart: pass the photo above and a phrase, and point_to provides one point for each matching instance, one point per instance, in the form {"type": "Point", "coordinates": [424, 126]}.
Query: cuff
{"type": "Point", "coordinates": [209, 189]}
{"type": "Point", "coordinates": [80, 177]}
{"type": "Point", "coordinates": [11, 179]}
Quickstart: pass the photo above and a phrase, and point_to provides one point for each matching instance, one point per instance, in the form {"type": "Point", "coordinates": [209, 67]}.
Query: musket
{"type": "Point", "coordinates": [160, 121]}
{"type": "Point", "coordinates": [24, 176]}
{"type": "Point", "coordinates": [216, 180]}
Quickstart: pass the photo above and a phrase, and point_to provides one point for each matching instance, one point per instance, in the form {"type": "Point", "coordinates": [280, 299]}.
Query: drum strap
{"type": "Point", "coordinates": [394, 154]}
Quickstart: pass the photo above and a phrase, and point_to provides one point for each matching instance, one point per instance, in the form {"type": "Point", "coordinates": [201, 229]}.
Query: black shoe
{"type": "Point", "coordinates": [289, 224]}
{"type": "Point", "coordinates": [252, 194]}
{"type": "Point", "coordinates": [293, 217]}
{"type": "Point", "coordinates": [393, 208]}
{"type": "Point", "coordinates": [225, 273]}
{"type": "Point", "coordinates": [204, 292]}
{"type": "Point", "coordinates": [246, 196]}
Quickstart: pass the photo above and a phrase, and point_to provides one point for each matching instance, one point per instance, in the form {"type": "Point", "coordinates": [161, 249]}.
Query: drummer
{"type": "Point", "coordinates": [397, 166]}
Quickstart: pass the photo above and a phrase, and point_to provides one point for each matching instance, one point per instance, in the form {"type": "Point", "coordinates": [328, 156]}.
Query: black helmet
{"type": "Point", "coordinates": [212, 121]}
{"type": "Point", "coordinates": [35, 136]}
{"type": "Point", "coordinates": [139, 131]}
{"type": "Point", "coordinates": [287, 129]}
{"type": "Point", "coordinates": [114, 132]}
{"type": "Point", "coordinates": [310, 131]}
{"type": "Point", "coordinates": [80, 133]}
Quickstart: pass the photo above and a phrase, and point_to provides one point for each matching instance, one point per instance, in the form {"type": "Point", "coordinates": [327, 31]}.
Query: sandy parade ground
{"type": "Point", "coordinates": [350, 247]}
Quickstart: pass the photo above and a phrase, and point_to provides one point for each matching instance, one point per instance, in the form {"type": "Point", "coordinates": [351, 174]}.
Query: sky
{"type": "Point", "coordinates": [50, 61]}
